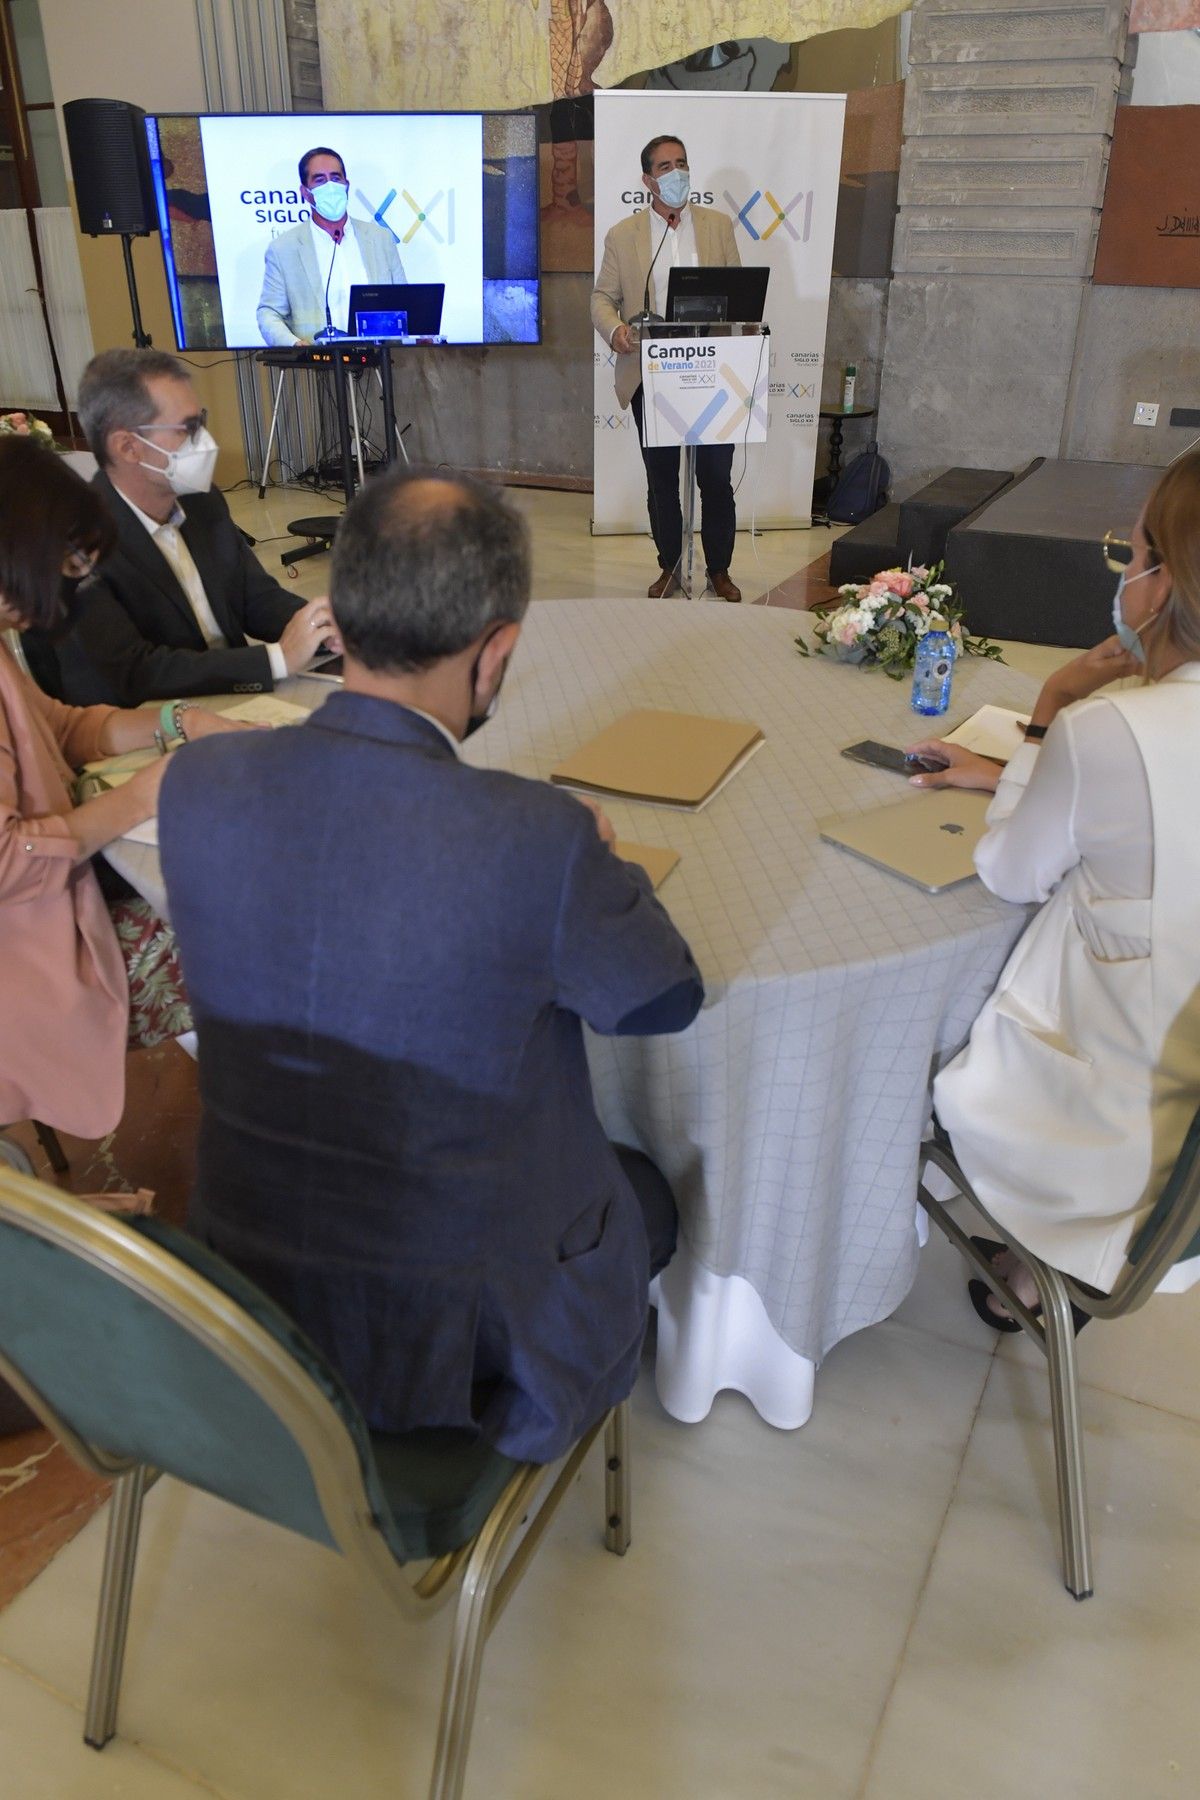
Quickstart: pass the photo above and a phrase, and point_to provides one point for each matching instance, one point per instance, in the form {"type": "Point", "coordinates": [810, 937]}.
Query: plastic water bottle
{"type": "Point", "coordinates": [933, 672]}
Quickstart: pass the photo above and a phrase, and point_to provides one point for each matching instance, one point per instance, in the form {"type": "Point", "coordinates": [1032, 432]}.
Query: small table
{"type": "Point", "coordinates": [837, 416]}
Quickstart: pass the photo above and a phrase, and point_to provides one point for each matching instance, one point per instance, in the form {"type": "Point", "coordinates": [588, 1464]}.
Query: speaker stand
{"type": "Point", "coordinates": [141, 336]}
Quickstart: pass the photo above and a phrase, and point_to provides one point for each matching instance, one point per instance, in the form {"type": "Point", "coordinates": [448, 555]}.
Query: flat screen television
{"type": "Point", "coordinates": [432, 197]}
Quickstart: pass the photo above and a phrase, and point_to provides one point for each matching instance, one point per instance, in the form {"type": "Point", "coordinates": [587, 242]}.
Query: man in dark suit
{"type": "Point", "coordinates": [390, 957]}
{"type": "Point", "coordinates": [169, 612]}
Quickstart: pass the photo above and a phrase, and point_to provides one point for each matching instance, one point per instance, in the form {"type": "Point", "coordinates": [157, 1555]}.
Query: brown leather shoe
{"type": "Point", "coordinates": [719, 582]}
{"type": "Point", "coordinates": [664, 587]}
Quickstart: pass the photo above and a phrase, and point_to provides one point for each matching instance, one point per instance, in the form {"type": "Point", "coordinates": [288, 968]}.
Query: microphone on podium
{"type": "Point", "coordinates": [331, 330]}
{"type": "Point", "coordinates": [646, 317]}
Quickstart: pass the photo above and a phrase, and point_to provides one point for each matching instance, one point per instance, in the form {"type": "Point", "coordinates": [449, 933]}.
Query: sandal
{"type": "Point", "coordinates": [980, 1293]}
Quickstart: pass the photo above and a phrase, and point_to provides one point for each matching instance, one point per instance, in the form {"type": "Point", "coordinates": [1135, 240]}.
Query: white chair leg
{"type": "Point", "coordinates": [617, 1487]}
{"type": "Point", "coordinates": [1070, 1472]}
{"type": "Point", "coordinates": [116, 1588]}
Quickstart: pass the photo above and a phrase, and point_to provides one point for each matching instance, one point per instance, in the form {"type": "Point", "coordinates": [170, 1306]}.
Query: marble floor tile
{"type": "Point", "coordinates": [1151, 1355]}
{"type": "Point", "coordinates": [568, 562]}
{"type": "Point", "coordinates": [1008, 1684]}
{"type": "Point", "coordinates": [43, 1755]}
{"type": "Point", "coordinates": [745, 1646]}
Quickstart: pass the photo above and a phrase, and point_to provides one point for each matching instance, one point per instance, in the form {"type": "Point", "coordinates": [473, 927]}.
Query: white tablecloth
{"type": "Point", "coordinates": [788, 1117]}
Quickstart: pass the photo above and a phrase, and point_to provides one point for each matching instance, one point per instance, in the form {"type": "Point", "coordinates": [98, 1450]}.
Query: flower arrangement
{"type": "Point", "coordinates": [879, 623]}
{"type": "Point", "coordinates": [23, 424]}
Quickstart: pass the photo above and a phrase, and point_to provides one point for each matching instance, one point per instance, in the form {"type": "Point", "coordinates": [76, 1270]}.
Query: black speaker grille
{"type": "Point", "coordinates": [110, 162]}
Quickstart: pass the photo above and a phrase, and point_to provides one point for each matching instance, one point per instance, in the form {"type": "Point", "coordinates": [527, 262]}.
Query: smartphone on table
{"type": "Point", "coordinates": [899, 762]}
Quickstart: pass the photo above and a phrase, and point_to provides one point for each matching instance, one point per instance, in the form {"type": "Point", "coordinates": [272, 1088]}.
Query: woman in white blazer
{"type": "Point", "coordinates": [1070, 1101]}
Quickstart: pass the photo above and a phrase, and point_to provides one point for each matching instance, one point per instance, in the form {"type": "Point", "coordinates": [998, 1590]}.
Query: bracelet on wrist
{"type": "Point", "coordinates": [177, 712]}
{"type": "Point", "coordinates": [1035, 733]}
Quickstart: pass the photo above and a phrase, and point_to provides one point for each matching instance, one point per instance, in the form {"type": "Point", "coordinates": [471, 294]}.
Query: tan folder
{"type": "Point", "coordinates": [656, 862]}
{"type": "Point", "coordinates": [673, 759]}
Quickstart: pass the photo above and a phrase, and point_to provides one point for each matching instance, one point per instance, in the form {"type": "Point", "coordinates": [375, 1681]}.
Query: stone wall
{"type": "Point", "coordinates": [303, 53]}
{"type": "Point", "coordinates": [1008, 117]}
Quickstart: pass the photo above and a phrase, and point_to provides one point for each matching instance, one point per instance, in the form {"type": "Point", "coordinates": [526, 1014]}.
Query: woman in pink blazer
{"type": "Point", "coordinates": [65, 1007]}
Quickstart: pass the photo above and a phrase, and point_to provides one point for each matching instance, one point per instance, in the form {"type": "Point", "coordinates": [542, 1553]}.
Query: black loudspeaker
{"type": "Point", "coordinates": [110, 161]}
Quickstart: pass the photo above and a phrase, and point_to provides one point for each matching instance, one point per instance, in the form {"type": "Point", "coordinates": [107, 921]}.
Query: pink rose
{"type": "Point", "coordinates": [900, 583]}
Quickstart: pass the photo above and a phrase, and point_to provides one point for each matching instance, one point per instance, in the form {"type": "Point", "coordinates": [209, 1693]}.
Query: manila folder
{"type": "Point", "coordinates": [676, 759]}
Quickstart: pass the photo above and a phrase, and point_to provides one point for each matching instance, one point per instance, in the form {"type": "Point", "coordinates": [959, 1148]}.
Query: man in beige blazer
{"type": "Point", "coordinates": [672, 232]}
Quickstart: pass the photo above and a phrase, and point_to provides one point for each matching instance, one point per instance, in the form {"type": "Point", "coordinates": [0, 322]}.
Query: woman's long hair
{"type": "Point", "coordinates": [1172, 524]}
{"type": "Point", "coordinates": [46, 511]}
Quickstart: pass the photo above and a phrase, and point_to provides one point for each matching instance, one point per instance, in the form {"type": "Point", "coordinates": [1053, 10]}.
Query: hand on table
{"type": "Point", "coordinates": [604, 824]}
{"type": "Point", "coordinates": [305, 633]}
{"type": "Point", "coordinates": [198, 722]}
{"type": "Point", "coordinates": [623, 341]}
{"type": "Point", "coordinates": [963, 768]}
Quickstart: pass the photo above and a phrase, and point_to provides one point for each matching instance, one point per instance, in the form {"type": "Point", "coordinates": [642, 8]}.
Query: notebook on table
{"type": "Point", "coordinates": [929, 840]}
{"type": "Point", "coordinates": [668, 759]}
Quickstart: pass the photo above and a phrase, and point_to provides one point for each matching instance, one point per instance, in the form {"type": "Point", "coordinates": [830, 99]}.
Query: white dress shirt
{"type": "Point", "coordinates": [679, 253]}
{"type": "Point", "coordinates": [348, 270]}
{"type": "Point", "coordinates": [169, 539]}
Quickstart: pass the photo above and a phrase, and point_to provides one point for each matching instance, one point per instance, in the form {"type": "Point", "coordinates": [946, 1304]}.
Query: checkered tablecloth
{"type": "Point", "coordinates": [787, 1118]}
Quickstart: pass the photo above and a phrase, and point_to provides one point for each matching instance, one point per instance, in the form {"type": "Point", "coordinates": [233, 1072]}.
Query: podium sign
{"type": "Point", "coordinates": [705, 390]}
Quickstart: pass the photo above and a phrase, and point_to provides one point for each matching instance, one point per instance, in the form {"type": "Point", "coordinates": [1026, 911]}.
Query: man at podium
{"type": "Point", "coordinates": [639, 255]}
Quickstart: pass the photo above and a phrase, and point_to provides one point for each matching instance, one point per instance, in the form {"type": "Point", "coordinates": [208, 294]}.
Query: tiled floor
{"type": "Point", "coordinates": [869, 1607]}
{"type": "Point", "coordinates": [568, 562]}
{"type": "Point", "coordinates": [866, 1609]}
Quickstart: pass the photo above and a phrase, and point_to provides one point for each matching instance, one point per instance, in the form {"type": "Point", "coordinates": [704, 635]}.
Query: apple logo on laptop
{"type": "Point", "coordinates": [952, 828]}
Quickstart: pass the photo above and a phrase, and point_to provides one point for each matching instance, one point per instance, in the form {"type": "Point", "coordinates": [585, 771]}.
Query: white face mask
{"type": "Point", "coordinates": [189, 469]}
{"type": "Point", "coordinates": [674, 188]}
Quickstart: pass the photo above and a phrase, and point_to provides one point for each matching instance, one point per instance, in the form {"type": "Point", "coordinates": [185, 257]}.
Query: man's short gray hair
{"type": "Point", "coordinates": [113, 396]}
{"type": "Point", "coordinates": [425, 561]}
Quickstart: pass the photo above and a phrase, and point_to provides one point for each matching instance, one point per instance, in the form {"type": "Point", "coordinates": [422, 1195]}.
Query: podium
{"type": "Point", "coordinates": [703, 384]}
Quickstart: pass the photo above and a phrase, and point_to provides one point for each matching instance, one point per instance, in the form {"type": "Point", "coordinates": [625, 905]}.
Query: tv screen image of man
{"type": "Point", "coordinates": [390, 956]}
{"type": "Point", "coordinates": [639, 254]}
{"type": "Point", "coordinates": [308, 271]}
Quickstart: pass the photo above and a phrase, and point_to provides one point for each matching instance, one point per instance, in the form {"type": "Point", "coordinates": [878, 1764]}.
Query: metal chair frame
{"type": "Point", "coordinates": [485, 1571]}
{"type": "Point", "coordinates": [1054, 1331]}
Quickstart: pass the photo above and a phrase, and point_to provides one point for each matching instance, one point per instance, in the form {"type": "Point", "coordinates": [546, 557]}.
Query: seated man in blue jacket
{"type": "Point", "coordinates": [390, 957]}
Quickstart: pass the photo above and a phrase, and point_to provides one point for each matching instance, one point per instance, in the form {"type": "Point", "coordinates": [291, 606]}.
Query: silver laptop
{"type": "Point", "coordinates": [929, 840]}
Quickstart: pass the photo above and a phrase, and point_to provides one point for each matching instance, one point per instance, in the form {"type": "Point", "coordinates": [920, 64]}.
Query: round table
{"type": "Point", "coordinates": [788, 1117]}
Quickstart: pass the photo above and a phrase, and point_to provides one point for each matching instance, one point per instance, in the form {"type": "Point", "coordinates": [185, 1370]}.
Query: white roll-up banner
{"type": "Point", "coordinates": [771, 162]}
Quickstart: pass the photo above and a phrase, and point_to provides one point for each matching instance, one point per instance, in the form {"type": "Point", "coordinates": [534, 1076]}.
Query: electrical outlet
{"type": "Point", "coordinates": [1146, 412]}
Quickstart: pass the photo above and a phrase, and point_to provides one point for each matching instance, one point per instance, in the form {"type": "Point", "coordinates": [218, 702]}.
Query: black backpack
{"type": "Point", "coordinates": [862, 488]}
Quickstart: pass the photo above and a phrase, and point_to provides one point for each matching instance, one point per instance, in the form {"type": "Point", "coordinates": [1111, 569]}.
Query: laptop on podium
{"type": "Point", "coordinates": [397, 309]}
{"type": "Point", "coordinates": [717, 293]}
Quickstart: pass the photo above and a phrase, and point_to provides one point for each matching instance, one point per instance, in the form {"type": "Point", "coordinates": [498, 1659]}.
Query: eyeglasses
{"type": "Point", "coordinates": [77, 564]}
{"type": "Point", "coordinates": [316, 181]}
{"type": "Point", "coordinates": [1117, 552]}
{"type": "Point", "coordinates": [193, 426]}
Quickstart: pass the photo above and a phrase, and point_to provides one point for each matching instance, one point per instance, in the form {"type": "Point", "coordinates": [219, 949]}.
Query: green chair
{"type": "Point", "coordinates": [1170, 1233]}
{"type": "Point", "coordinates": [146, 1353]}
